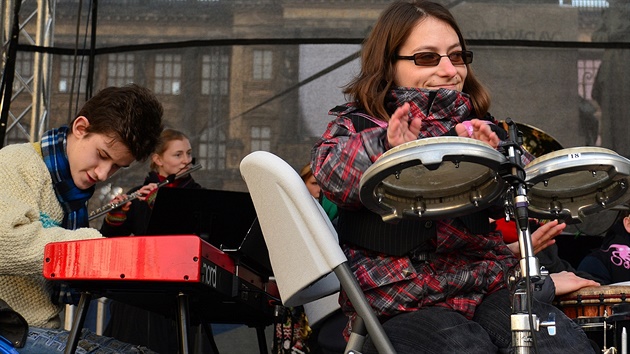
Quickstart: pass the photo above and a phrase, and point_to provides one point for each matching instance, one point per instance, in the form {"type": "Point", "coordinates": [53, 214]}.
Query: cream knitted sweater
{"type": "Point", "coordinates": [30, 216]}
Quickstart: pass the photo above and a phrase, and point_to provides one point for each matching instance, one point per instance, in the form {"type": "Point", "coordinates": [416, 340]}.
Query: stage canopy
{"type": "Point", "coordinates": [245, 75]}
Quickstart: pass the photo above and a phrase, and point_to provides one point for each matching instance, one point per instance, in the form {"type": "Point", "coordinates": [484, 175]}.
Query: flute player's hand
{"type": "Point", "coordinates": [142, 193]}
{"type": "Point", "coordinates": [150, 197]}
{"type": "Point", "coordinates": [120, 198]}
{"type": "Point", "coordinates": [146, 190]}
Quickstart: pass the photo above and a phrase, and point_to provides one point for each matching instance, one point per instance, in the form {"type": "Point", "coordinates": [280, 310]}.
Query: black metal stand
{"type": "Point", "coordinates": [77, 323]}
{"type": "Point", "coordinates": [182, 322]}
{"type": "Point", "coordinates": [183, 325]}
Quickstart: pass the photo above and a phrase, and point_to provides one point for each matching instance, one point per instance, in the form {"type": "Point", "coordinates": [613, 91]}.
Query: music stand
{"type": "Point", "coordinates": [225, 219]}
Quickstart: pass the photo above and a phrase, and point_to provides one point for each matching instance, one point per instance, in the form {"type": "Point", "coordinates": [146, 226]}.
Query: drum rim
{"type": "Point", "coordinates": [434, 140]}
{"type": "Point", "coordinates": [591, 292]}
{"type": "Point", "coordinates": [566, 151]}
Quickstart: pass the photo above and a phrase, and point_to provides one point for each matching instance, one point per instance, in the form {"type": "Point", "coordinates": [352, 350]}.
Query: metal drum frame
{"type": "Point", "coordinates": [433, 178]}
{"type": "Point", "coordinates": [577, 182]}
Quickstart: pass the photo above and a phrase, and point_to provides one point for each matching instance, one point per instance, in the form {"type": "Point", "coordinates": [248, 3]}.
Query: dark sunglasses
{"type": "Point", "coordinates": [433, 59]}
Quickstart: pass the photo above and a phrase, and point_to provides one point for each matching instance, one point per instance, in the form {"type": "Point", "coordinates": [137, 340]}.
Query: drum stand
{"type": "Point", "coordinates": [524, 281]}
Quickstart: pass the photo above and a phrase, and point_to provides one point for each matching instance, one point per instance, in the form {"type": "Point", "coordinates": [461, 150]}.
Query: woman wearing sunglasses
{"type": "Point", "coordinates": [438, 286]}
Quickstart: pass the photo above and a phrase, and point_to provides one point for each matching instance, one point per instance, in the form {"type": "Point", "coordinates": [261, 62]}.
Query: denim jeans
{"type": "Point", "coordinates": [42, 340]}
{"type": "Point", "coordinates": [441, 330]}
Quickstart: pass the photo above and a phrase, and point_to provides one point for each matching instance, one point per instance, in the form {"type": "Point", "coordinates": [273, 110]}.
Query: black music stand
{"type": "Point", "coordinates": [225, 219]}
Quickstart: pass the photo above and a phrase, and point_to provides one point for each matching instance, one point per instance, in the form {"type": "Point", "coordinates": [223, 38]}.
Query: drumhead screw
{"type": "Point", "coordinates": [419, 207]}
{"type": "Point", "coordinates": [475, 196]}
{"type": "Point", "coordinates": [602, 198]}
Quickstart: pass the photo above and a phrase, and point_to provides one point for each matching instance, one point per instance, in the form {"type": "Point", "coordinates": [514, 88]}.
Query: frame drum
{"type": "Point", "coordinates": [576, 182]}
{"type": "Point", "coordinates": [433, 178]}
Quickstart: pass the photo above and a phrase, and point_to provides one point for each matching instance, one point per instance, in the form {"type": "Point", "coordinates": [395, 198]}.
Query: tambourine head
{"type": "Point", "coordinates": [577, 182]}
{"type": "Point", "coordinates": [433, 178]}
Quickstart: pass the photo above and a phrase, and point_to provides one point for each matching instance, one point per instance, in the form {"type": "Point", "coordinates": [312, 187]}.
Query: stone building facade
{"type": "Point", "coordinates": [229, 72]}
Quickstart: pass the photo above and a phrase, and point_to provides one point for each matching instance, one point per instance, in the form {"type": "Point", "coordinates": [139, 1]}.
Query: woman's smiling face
{"type": "Point", "coordinates": [430, 35]}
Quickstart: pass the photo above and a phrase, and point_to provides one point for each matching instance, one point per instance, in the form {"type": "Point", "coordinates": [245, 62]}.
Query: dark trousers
{"type": "Point", "coordinates": [441, 330]}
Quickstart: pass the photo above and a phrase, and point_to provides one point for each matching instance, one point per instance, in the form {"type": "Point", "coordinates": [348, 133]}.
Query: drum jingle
{"type": "Point", "coordinates": [577, 182]}
{"type": "Point", "coordinates": [433, 178]}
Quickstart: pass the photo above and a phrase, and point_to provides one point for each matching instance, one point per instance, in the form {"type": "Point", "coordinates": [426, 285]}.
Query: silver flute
{"type": "Point", "coordinates": [135, 195]}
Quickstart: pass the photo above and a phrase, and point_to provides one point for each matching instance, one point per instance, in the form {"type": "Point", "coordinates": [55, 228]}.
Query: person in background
{"type": "Point", "coordinates": [546, 250]}
{"type": "Point", "coordinates": [610, 263]}
{"type": "Point", "coordinates": [311, 183]}
{"type": "Point", "coordinates": [172, 156]}
{"type": "Point", "coordinates": [44, 198]}
{"type": "Point", "coordinates": [440, 286]}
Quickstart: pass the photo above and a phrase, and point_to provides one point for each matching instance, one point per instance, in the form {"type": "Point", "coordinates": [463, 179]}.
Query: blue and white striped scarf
{"type": "Point", "coordinates": [72, 199]}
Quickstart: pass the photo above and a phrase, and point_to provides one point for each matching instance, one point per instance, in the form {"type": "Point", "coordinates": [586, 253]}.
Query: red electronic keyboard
{"type": "Point", "coordinates": [181, 276]}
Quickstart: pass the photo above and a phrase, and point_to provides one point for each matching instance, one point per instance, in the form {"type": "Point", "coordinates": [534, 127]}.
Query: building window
{"type": "Point", "coordinates": [262, 69]}
{"type": "Point", "coordinates": [120, 69]}
{"type": "Point", "coordinates": [66, 78]}
{"type": "Point", "coordinates": [215, 73]}
{"type": "Point", "coordinates": [212, 149]}
{"type": "Point", "coordinates": [587, 71]}
{"type": "Point", "coordinates": [261, 138]}
{"type": "Point", "coordinates": [23, 71]}
{"type": "Point", "coordinates": [168, 74]}
{"type": "Point", "coordinates": [585, 3]}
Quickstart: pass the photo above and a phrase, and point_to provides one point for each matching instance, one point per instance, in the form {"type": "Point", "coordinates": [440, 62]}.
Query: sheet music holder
{"type": "Point", "coordinates": [225, 219]}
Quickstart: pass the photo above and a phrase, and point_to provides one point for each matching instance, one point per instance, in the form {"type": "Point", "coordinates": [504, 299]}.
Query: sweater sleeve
{"type": "Point", "coordinates": [342, 155]}
{"type": "Point", "coordinates": [30, 215]}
